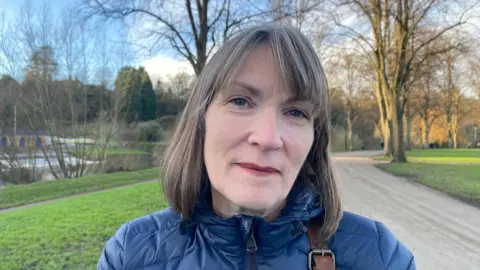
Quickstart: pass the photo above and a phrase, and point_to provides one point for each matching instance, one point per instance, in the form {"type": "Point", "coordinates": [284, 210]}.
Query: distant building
{"type": "Point", "coordinates": [23, 139]}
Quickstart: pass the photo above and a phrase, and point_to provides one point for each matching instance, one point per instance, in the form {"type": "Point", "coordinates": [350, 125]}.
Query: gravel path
{"type": "Point", "coordinates": [443, 233]}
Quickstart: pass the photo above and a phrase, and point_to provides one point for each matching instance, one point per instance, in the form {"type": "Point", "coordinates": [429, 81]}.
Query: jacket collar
{"type": "Point", "coordinates": [231, 234]}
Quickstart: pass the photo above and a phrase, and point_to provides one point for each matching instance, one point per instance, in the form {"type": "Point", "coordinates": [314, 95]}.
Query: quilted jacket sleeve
{"type": "Point", "coordinates": [112, 256]}
{"type": "Point", "coordinates": [395, 255]}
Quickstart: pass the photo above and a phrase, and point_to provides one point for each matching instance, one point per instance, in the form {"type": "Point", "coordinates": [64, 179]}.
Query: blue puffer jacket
{"type": "Point", "coordinates": [163, 240]}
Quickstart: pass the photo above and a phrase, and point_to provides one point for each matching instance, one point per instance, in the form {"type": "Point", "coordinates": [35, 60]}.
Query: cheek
{"type": "Point", "coordinates": [300, 144]}
{"type": "Point", "coordinates": [222, 133]}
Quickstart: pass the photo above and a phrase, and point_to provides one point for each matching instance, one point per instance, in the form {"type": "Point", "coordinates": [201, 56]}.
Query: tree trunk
{"type": "Point", "coordinates": [388, 138]}
{"type": "Point", "coordinates": [385, 124]}
{"type": "Point", "coordinates": [449, 129]}
{"type": "Point", "coordinates": [409, 132]}
{"type": "Point", "coordinates": [420, 136]}
{"type": "Point", "coordinates": [454, 131]}
{"type": "Point", "coordinates": [455, 142]}
{"type": "Point", "coordinates": [407, 121]}
{"type": "Point", "coordinates": [350, 129]}
{"type": "Point", "coordinates": [427, 130]}
{"type": "Point", "coordinates": [397, 134]}
{"type": "Point", "coordinates": [450, 100]}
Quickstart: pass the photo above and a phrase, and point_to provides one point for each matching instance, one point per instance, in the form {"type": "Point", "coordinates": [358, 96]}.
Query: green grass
{"type": "Point", "coordinates": [460, 181]}
{"type": "Point", "coordinates": [115, 149]}
{"type": "Point", "coordinates": [70, 234]}
{"type": "Point", "coordinates": [15, 195]}
{"type": "Point", "coordinates": [111, 151]}
{"type": "Point", "coordinates": [124, 151]}
{"type": "Point", "coordinates": [441, 156]}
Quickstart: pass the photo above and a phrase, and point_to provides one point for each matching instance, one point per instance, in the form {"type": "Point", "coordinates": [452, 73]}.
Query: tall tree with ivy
{"type": "Point", "coordinates": [148, 101]}
{"type": "Point", "coordinates": [135, 91]}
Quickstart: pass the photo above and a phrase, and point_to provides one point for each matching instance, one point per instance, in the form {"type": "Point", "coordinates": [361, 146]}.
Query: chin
{"type": "Point", "coordinates": [258, 205]}
{"type": "Point", "coordinates": [255, 206]}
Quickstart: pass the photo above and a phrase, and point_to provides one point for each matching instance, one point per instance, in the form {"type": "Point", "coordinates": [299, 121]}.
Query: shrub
{"type": "Point", "coordinates": [17, 176]}
{"type": "Point", "coordinates": [128, 163]}
{"type": "Point", "coordinates": [168, 121]}
{"type": "Point", "coordinates": [150, 131]}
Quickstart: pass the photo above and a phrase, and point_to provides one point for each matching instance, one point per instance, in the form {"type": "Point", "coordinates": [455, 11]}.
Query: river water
{"type": "Point", "coordinates": [40, 163]}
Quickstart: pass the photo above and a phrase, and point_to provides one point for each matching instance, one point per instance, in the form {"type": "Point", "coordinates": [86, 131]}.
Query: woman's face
{"type": "Point", "coordinates": [257, 138]}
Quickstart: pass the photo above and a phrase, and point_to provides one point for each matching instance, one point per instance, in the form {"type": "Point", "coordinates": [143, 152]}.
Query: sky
{"type": "Point", "coordinates": [159, 66]}
{"type": "Point", "coordinates": [12, 7]}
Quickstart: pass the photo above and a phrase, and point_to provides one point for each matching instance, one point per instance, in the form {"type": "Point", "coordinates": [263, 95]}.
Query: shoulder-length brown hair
{"type": "Point", "coordinates": [183, 170]}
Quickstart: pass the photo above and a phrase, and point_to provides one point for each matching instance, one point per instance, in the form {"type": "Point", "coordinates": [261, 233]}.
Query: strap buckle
{"type": "Point", "coordinates": [322, 252]}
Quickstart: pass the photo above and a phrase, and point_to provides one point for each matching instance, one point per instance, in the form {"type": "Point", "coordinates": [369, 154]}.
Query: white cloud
{"type": "Point", "coordinates": [164, 66]}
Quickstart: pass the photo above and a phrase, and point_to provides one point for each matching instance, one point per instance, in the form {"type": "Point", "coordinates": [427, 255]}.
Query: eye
{"type": "Point", "coordinates": [238, 101]}
{"type": "Point", "coordinates": [297, 113]}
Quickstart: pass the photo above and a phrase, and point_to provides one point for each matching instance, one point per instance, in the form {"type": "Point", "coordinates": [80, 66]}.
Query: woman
{"type": "Point", "coordinates": [248, 174]}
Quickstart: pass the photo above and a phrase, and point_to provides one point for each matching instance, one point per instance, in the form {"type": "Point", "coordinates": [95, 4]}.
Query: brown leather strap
{"type": "Point", "coordinates": [322, 256]}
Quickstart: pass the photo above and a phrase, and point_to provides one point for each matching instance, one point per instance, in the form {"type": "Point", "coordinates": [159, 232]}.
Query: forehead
{"type": "Point", "coordinates": [261, 62]}
{"type": "Point", "coordinates": [260, 74]}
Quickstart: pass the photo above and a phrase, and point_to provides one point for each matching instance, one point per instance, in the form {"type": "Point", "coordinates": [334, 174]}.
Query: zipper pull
{"type": "Point", "coordinates": [251, 243]}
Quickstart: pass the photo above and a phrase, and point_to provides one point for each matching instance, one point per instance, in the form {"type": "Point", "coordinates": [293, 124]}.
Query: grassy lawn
{"type": "Point", "coordinates": [70, 234]}
{"type": "Point", "coordinates": [461, 181]}
{"type": "Point", "coordinates": [116, 149]}
{"type": "Point", "coordinates": [15, 195]}
{"type": "Point", "coordinates": [111, 151]}
{"type": "Point", "coordinates": [441, 156]}
{"type": "Point", "coordinates": [123, 151]}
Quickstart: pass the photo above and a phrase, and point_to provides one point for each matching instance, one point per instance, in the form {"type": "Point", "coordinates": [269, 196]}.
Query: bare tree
{"type": "Point", "coordinates": [32, 28]}
{"type": "Point", "coordinates": [180, 84]}
{"type": "Point", "coordinates": [81, 147]}
{"type": "Point", "coordinates": [9, 157]}
{"type": "Point", "coordinates": [67, 36]}
{"type": "Point", "coordinates": [9, 51]}
{"type": "Point", "coordinates": [474, 71]}
{"type": "Point", "coordinates": [395, 40]}
{"type": "Point", "coordinates": [302, 14]}
{"type": "Point", "coordinates": [59, 108]}
{"type": "Point", "coordinates": [422, 97]}
{"type": "Point", "coordinates": [452, 95]}
{"type": "Point", "coordinates": [191, 29]}
{"type": "Point", "coordinates": [348, 74]}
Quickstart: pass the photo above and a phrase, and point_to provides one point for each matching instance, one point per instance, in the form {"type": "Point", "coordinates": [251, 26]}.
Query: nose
{"type": "Point", "coordinates": [266, 131]}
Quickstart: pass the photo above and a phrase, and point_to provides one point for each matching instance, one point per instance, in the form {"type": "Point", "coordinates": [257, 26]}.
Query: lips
{"type": "Point", "coordinates": [257, 169]}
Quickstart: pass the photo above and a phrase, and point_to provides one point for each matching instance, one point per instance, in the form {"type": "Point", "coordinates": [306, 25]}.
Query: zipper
{"type": "Point", "coordinates": [252, 250]}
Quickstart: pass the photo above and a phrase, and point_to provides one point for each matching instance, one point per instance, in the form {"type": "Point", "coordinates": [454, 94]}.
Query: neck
{"type": "Point", "coordinates": [226, 209]}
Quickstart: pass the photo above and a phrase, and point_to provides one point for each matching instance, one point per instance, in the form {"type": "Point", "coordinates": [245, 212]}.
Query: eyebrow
{"type": "Point", "coordinates": [253, 90]}
{"type": "Point", "coordinates": [258, 93]}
